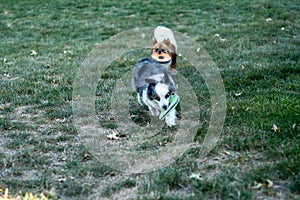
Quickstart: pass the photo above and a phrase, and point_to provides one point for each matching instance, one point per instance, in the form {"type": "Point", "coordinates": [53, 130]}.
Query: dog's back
{"type": "Point", "coordinates": [148, 71]}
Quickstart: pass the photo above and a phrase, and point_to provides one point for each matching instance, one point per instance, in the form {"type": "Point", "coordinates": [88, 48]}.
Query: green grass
{"type": "Point", "coordinates": [258, 59]}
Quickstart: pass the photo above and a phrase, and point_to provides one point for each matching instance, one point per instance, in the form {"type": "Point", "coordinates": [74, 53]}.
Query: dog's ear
{"type": "Point", "coordinates": [167, 41]}
{"type": "Point", "coordinates": [173, 63]}
{"type": "Point", "coordinates": [170, 82]}
{"type": "Point", "coordinates": [154, 41]}
{"type": "Point", "coordinates": [173, 55]}
{"type": "Point", "coordinates": [172, 90]}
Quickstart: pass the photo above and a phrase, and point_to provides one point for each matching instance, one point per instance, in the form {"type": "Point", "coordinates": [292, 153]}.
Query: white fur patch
{"type": "Point", "coordinates": [171, 118]}
{"type": "Point", "coordinates": [157, 77]}
{"type": "Point", "coordinates": [162, 90]}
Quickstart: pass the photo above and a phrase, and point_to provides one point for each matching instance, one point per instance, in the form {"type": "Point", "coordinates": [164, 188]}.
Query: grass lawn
{"type": "Point", "coordinates": [255, 44]}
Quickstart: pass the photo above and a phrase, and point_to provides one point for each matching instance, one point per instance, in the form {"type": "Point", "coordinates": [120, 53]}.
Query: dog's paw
{"type": "Point", "coordinates": [170, 122]}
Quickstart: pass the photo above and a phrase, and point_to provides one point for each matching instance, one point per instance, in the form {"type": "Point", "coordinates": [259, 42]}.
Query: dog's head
{"type": "Point", "coordinates": [159, 92]}
{"type": "Point", "coordinates": [164, 52]}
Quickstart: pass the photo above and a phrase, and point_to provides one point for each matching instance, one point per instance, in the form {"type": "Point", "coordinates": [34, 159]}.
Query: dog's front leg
{"type": "Point", "coordinates": [171, 118]}
{"type": "Point", "coordinates": [154, 112]}
{"type": "Point", "coordinates": [139, 99]}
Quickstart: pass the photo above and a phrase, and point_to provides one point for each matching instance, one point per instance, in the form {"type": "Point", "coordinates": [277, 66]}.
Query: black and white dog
{"type": "Point", "coordinates": [154, 85]}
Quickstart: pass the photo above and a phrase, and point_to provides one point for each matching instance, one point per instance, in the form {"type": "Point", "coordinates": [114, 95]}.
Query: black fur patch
{"type": "Point", "coordinates": [151, 91]}
{"type": "Point", "coordinates": [140, 90]}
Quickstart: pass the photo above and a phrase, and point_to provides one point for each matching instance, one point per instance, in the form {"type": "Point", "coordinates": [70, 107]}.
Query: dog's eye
{"type": "Point", "coordinates": [167, 96]}
{"type": "Point", "coordinates": [157, 98]}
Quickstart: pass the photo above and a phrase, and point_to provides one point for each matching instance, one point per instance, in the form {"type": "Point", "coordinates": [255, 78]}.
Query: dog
{"type": "Point", "coordinates": [154, 85]}
{"type": "Point", "coordinates": [164, 47]}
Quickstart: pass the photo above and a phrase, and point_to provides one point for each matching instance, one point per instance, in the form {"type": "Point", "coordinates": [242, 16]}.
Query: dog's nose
{"type": "Point", "coordinates": [165, 107]}
{"type": "Point", "coordinates": [159, 51]}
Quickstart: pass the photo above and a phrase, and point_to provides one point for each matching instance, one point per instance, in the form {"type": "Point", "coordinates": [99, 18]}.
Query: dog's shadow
{"type": "Point", "coordinates": [139, 113]}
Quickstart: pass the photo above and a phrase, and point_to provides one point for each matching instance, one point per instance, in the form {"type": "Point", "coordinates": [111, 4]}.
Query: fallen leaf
{"type": "Point", "coordinates": [203, 160]}
{"type": "Point", "coordinates": [196, 176]}
{"type": "Point", "coordinates": [33, 53]}
{"type": "Point", "coordinates": [256, 185]}
{"type": "Point", "coordinates": [238, 94]}
{"type": "Point", "coordinates": [113, 135]}
{"type": "Point", "coordinates": [85, 155]}
{"type": "Point", "coordinates": [269, 183]}
{"type": "Point", "coordinates": [269, 19]}
{"type": "Point", "coordinates": [76, 98]}
{"type": "Point", "coordinates": [227, 152]}
{"type": "Point", "coordinates": [61, 120]}
{"type": "Point", "coordinates": [275, 128]}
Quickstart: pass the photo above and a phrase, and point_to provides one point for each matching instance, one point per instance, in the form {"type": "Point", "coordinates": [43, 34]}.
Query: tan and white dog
{"type": "Point", "coordinates": [164, 47]}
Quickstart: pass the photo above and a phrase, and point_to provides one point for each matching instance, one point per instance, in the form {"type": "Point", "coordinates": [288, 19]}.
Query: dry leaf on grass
{"type": "Point", "coordinates": [196, 176]}
{"type": "Point", "coordinates": [76, 98]}
{"type": "Point", "coordinates": [238, 94]}
{"type": "Point", "coordinates": [267, 184]}
{"type": "Point", "coordinates": [28, 195]}
{"type": "Point", "coordinates": [275, 128]}
{"type": "Point", "coordinates": [113, 135]}
{"type": "Point", "coordinates": [269, 19]}
{"type": "Point", "coordinates": [86, 155]}
{"type": "Point", "coordinates": [33, 53]}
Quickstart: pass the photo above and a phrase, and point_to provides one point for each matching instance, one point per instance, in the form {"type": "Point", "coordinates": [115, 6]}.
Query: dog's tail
{"type": "Point", "coordinates": [162, 33]}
